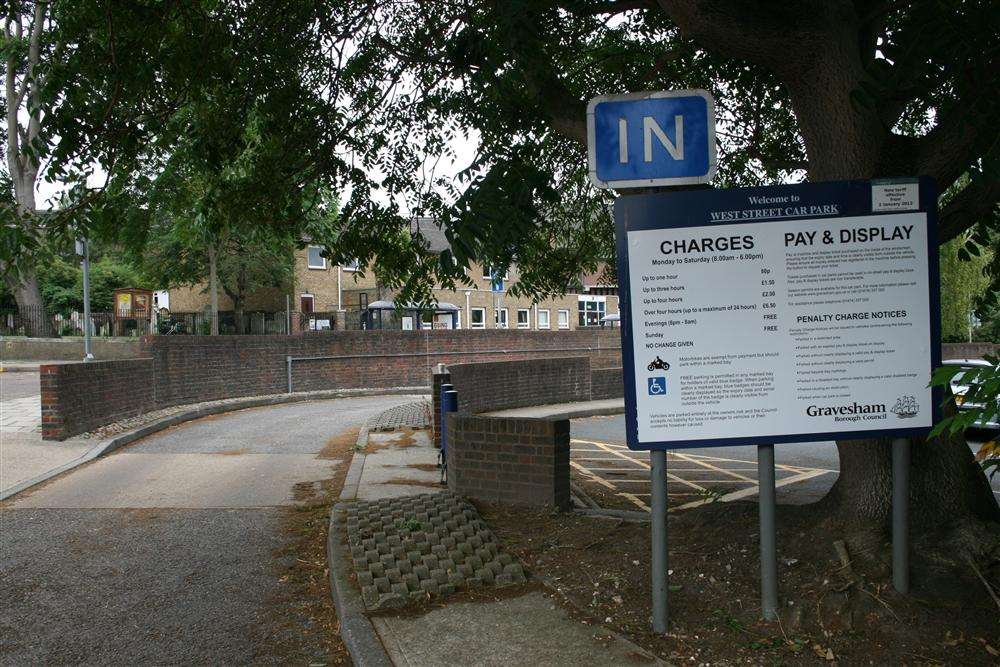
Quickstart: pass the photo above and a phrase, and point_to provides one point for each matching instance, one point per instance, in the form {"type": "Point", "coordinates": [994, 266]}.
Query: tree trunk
{"type": "Point", "coordinates": [947, 486]}
{"type": "Point", "coordinates": [241, 293]}
{"type": "Point", "coordinates": [29, 302]}
{"type": "Point", "coordinates": [24, 285]}
{"type": "Point", "coordinates": [213, 288]}
{"type": "Point", "coordinates": [948, 490]}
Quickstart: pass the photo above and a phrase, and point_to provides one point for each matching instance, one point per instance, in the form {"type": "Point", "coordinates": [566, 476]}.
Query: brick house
{"type": "Point", "coordinates": [338, 294]}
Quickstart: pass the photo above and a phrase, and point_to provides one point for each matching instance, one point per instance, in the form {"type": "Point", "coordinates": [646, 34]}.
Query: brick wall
{"type": "Point", "coordinates": [79, 397]}
{"type": "Point", "coordinates": [606, 383]}
{"type": "Point", "coordinates": [190, 369]}
{"type": "Point", "coordinates": [968, 350]}
{"type": "Point", "coordinates": [514, 461]}
{"type": "Point", "coordinates": [498, 385]}
{"type": "Point", "coordinates": [66, 349]}
{"type": "Point", "coordinates": [202, 367]}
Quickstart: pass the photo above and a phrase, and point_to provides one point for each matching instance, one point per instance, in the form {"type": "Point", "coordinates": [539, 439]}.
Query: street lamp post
{"type": "Point", "coordinates": [83, 249]}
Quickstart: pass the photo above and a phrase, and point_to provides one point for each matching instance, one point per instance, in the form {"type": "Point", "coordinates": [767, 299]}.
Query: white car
{"type": "Point", "coordinates": [959, 390]}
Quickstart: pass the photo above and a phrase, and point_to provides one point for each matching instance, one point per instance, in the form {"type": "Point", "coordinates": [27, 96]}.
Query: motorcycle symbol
{"type": "Point", "coordinates": [658, 364]}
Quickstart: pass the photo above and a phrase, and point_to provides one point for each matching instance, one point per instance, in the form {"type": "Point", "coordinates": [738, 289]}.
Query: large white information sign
{"type": "Point", "coordinates": [777, 314]}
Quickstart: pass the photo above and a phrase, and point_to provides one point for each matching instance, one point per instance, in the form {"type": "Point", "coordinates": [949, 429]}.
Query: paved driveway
{"type": "Point", "coordinates": [163, 553]}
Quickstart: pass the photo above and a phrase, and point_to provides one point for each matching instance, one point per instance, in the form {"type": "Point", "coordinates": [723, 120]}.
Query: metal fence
{"type": "Point", "coordinates": [33, 321]}
{"type": "Point", "coordinates": [256, 323]}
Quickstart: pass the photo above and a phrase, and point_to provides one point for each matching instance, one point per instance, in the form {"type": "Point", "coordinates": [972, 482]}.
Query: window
{"type": "Point", "coordinates": [563, 318]}
{"type": "Point", "coordinates": [523, 318]}
{"type": "Point", "coordinates": [315, 258]}
{"type": "Point", "coordinates": [543, 319]}
{"type": "Point", "coordinates": [478, 318]}
{"type": "Point", "coordinates": [306, 302]}
{"type": "Point", "coordinates": [488, 273]}
{"type": "Point", "coordinates": [500, 318]}
{"type": "Point", "coordinates": [591, 310]}
{"type": "Point", "coordinates": [352, 265]}
{"type": "Point", "coordinates": [363, 300]}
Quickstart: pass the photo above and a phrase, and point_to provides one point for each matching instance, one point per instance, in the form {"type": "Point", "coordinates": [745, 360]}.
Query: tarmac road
{"type": "Point", "coordinates": [162, 553]}
{"type": "Point", "coordinates": [807, 454]}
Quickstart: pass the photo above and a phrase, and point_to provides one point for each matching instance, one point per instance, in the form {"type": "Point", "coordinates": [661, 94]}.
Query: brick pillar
{"type": "Point", "coordinates": [52, 418]}
{"type": "Point", "coordinates": [515, 461]}
{"type": "Point", "coordinates": [437, 379]}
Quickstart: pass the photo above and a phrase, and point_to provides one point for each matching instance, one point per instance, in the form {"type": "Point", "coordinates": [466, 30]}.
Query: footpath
{"type": "Point", "coordinates": [419, 578]}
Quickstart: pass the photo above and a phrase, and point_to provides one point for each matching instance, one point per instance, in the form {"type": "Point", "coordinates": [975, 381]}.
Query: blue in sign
{"type": "Point", "coordinates": [658, 386]}
{"type": "Point", "coordinates": [651, 139]}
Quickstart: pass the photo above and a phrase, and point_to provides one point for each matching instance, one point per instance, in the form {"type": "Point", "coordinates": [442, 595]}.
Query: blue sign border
{"type": "Point", "coordinates": [713, 162]}
{"type": "Point", "coordinates": [690, 208]}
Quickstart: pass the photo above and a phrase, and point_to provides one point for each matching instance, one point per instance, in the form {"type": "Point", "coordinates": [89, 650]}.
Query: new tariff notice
{"type": "Point", "coordinates": [781, 326]}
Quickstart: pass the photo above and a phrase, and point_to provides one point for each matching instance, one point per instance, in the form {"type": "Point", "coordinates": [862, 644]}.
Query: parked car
{"type": "Point", "coordinates": [960, 389]}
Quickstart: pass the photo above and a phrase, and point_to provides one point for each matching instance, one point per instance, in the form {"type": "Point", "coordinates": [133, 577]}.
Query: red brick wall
{"type": "Point", "coordinates": [203, 367]}
{"type": "Point", "coordinates": [968, 350]}
{"type": "Point", "coordinates": [606, 383]}
{"type": "Point", "coordinates": [190, 369]}
{"type": "Point", "coordinates": [82, 396]}
{"type": "Point", "coordinates": [513, 461]}
{"type": "Point", "coordinates": [498, 385]}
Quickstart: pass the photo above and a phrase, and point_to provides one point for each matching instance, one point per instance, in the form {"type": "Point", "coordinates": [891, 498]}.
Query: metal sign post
{"type": "Point", "coordinates": [901, 515]}
{"type": "Point", "coordinates": [83, 249]}
{"type": "Point", "coordinates": [768, 533]}
{"type": "Point", "coordinates": [653, 141]}
{"type": "Point", "coordinates": [658, 475]}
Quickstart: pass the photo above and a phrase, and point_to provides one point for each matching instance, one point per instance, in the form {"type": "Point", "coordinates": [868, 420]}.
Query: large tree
{"type": "Point", "coordinates": [80, 98]}
{"type": "Point", "coordinates": [117, 102]}
{"type": "Point", "coordinates": [823, 89]}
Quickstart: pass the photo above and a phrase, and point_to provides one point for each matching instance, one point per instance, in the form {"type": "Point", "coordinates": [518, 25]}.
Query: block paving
{"type": "Point", "coordinates": [426, 545]}
{"type": "Point", "coordinates": [411, 415]}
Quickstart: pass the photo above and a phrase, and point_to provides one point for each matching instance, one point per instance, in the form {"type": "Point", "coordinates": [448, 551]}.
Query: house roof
{"type": "Point", "coordinates": [432, 232]}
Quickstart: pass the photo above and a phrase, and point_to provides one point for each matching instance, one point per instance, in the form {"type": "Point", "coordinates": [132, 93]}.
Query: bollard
{"type": "Point", "coordinates": [449, 403]}
{"type": "Point", "coordinates": [445, 387]}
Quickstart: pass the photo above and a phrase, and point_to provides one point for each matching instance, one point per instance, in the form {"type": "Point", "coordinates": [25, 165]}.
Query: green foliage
{"type": "Point", "coordinates": [61, 283]}
{"type": "Point", "coordinates": [988, 304]}
{"type": "Point", "coordinates": [981, 403]}
{"type": "Point", "coordinates": [963, 281]}
{"type": "Point", "coordinates": [222, 117]}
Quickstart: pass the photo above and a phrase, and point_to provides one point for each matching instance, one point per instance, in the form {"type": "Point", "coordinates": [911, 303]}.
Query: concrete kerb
{"type": "Point", "coordinates": [356, 630]}
{"type": "Point", "coordinates": [109, 445]}
{"type": "Point", "coordinates": [353, 479]}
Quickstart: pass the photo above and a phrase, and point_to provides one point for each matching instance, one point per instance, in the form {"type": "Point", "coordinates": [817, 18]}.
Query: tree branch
{"type": "Point", "coordinates": [763, 33]}
{"type": "Point", "coordinates": [610, 8]}
{"type": "Point", "coordinates": [959, 138]}
{"type": "Point", "coordinates": [977, 201]}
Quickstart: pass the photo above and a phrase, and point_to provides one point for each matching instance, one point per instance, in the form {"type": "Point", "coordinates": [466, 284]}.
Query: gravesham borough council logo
{"type": "Point", "coordinates": [906, 407]}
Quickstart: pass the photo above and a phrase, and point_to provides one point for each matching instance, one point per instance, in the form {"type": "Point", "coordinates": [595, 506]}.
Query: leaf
{"type": "Point", "coordinates": [953, 641]}
{"type": "Point", "coordinates": [989, 449]}
{"type": "Point", "coordinates": [824, 653]}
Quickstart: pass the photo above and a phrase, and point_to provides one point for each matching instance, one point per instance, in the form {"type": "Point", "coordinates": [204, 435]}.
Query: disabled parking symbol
{"type": "Point", "coordinates": [657, 386]}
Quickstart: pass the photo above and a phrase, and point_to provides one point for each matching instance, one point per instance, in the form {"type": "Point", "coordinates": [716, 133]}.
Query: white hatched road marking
{"type": "Point", "coordinates": [702, 463]}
